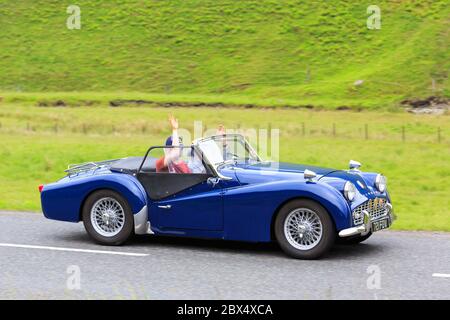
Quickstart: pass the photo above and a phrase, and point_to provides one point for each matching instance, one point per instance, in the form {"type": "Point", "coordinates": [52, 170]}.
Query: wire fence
{"type": "Point", "coordinates": [402, 133]}
{"type": "Point", "coordinates": [365, 131]}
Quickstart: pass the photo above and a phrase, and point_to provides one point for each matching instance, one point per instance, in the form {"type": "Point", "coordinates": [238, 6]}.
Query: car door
{"type": "Point", "coordinates": [184, 200]}
{"type": "Point", "coordinates": [199, 207]}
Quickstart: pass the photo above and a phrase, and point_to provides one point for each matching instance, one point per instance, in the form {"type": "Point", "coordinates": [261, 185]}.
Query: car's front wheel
{"type": "Point", "coordinates": [107, 217]}
{"type": "Point", "coordinates": [304, 229]}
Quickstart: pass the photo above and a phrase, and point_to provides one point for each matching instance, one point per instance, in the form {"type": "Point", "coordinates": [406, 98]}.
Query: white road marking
{"type": "Point", "coordinates": [441, 275]}
{"type": "Point", "coordinates": [25, 246]}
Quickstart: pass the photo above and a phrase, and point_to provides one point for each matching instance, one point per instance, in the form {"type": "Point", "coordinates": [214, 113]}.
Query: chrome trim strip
{"type": "Point", "coordinates": [141, 223]}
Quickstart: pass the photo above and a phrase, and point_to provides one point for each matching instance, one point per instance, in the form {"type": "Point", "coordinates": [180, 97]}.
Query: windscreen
{"type": "Point", "coordinates": [220, 149]}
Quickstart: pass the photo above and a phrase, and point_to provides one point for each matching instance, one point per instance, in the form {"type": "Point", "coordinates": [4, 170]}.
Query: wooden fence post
{"type": "Point", "coordinates": [269, 135]}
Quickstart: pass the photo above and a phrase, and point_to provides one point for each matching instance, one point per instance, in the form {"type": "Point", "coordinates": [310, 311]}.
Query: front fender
{"type": "Point", "coordinates": [63, 200]}
{"type": "Point", "coordinates": [243, 222]}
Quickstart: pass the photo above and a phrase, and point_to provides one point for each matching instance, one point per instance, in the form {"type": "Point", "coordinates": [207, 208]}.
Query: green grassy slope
{"type": "Point", "coordinates": [288, 51]}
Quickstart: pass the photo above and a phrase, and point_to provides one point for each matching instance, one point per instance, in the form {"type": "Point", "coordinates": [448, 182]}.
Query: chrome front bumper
{"type": "Point", "coordinates": [366, 227]}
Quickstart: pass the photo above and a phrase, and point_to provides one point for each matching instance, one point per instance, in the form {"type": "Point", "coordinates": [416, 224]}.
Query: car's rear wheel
{"type": "Point", "coordinates": [107, 217]}
{"type": "Point", "coordinates": [304, 229]}
{"type": "Point", "coordinates": [354, 239]}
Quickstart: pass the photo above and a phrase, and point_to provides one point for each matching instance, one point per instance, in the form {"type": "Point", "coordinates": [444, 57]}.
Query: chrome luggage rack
{"type": "Point", "coordinates": [73, 169]}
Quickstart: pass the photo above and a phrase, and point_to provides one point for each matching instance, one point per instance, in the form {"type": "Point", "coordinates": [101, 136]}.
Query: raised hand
{"type": "Point", "coordinates": [221, 130]}
{"type": "Point", "coordinates": [173, 122]}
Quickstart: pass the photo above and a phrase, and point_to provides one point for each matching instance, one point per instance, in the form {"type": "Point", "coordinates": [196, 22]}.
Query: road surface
{"type": "Point", "coordinates": [43, 259]}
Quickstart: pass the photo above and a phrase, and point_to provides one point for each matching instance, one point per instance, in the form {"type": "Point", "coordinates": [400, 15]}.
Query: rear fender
{"type": "Point", "coordinates": [64, 200]}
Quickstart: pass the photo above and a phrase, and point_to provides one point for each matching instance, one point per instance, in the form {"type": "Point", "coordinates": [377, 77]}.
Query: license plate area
{"type": "Point", "coordinates": [380, 225]}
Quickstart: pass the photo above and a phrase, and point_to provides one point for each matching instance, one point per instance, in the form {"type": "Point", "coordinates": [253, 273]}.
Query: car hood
{"type": "Point", "coordinates": [272, 171]}
{"type": "Point", "coordinates": [284, 167]}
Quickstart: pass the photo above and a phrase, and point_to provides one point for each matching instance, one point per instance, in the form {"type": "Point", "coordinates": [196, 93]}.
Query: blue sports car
{"type": "Point", "coordinates": [228, 193]}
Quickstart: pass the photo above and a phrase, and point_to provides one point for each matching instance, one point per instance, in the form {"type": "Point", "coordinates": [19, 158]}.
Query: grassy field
{"type": "Point", "coordinates": [259, 51]}
{"type": "Point", "coordinates": [38, 143]}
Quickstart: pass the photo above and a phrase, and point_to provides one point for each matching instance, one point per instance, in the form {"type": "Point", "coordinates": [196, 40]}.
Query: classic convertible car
{"type": "Point", "coordinates": [232, 195]}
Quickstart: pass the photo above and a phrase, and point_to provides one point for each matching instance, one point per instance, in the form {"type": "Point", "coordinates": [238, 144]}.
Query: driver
{"type": "Point", "coordinates": [171, 161]}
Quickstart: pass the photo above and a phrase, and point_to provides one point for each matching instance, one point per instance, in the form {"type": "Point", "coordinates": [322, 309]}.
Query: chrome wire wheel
{"type": "Point", "coordinates": [303, 229]}
{"type": "Point", "coordinates": [107, 217]}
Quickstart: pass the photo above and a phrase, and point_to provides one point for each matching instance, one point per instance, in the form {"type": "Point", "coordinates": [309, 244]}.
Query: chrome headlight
{"type": "Point", "coordinates": [349, 191]}
{"type": "Point", "coordinates": [381, 183]}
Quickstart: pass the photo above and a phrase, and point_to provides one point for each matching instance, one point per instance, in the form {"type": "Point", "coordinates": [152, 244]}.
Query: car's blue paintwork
{"type": "Point", "coordinates": [242, 208]}
{"type": "Point", "coordinates": [63, 200]}
{"type": "Point", "coordinates": [197, 208]}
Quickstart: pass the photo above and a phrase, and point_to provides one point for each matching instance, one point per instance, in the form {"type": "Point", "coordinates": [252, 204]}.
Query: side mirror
{"type": "Point", "coordinates": [354, 165]}
{"type": "Point", "coordinates": [309, 175]}
{"type": "Point", "coordinates": [213, 181]}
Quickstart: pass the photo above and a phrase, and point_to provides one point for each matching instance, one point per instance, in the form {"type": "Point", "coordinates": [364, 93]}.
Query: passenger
{"type": "Point", "coordinates": [226, 154]}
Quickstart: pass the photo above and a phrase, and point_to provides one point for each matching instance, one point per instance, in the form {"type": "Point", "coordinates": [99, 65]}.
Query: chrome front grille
{"type": "Point", "coordinates": [375, 207]}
